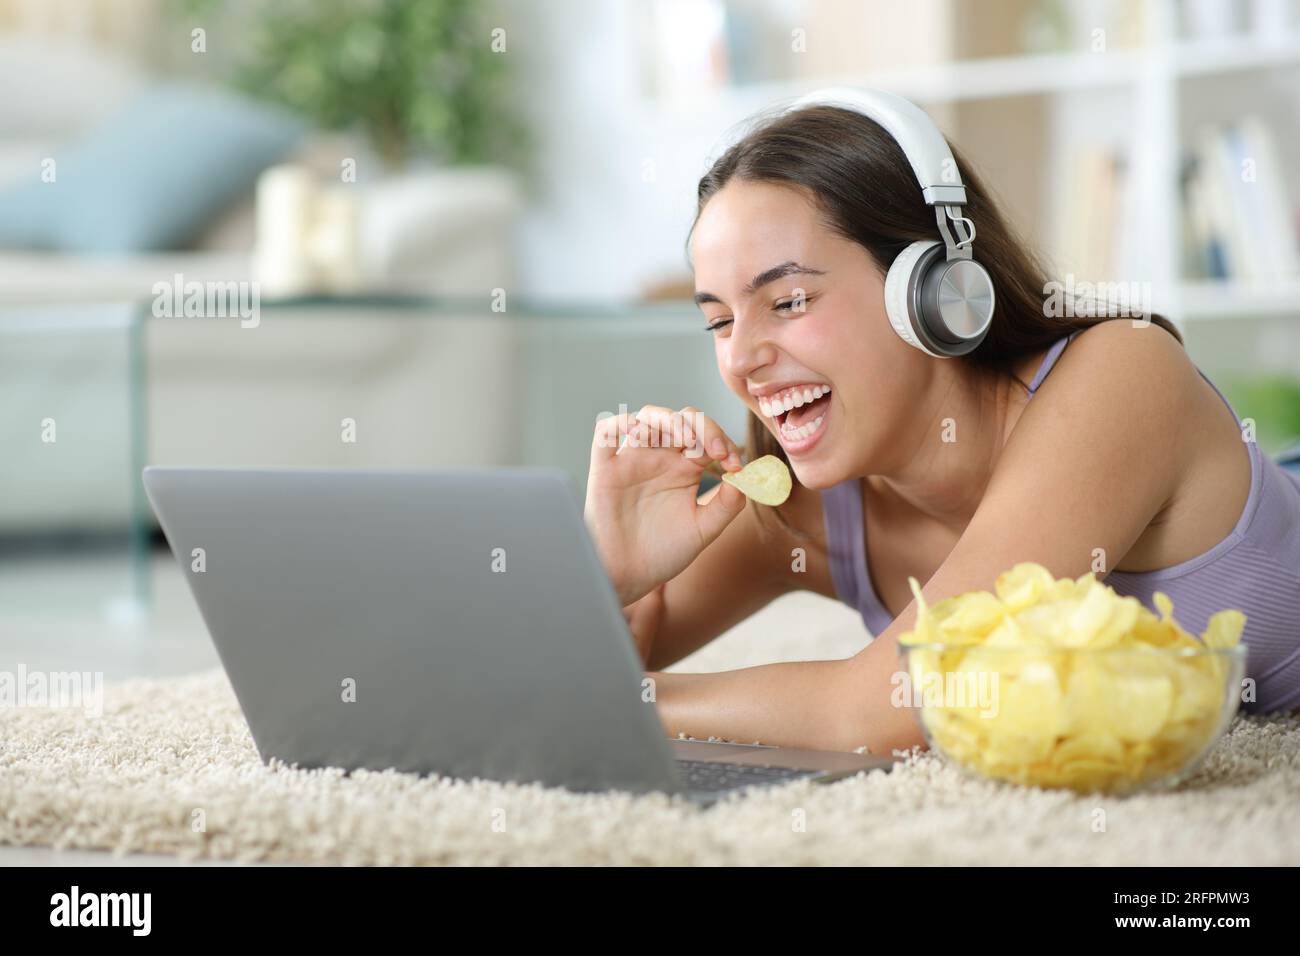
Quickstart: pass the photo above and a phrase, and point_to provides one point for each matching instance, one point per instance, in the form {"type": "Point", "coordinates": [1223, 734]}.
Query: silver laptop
{"type": "Point", "coordinates": [457, 623]}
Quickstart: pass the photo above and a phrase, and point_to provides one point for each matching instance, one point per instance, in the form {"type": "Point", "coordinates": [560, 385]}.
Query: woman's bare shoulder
{"type": "Point", "coordinates": [1125, 404]}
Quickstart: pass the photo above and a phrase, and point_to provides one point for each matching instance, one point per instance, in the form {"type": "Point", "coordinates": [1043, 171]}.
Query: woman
{"type": "Point", "coordinates": [1127, 461]}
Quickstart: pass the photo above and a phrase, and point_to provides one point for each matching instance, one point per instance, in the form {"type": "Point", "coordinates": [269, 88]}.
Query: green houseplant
{"type": "Point", "coordinates": [1273, 403]}
{"type": "Point", "coordinates": [424, 79]}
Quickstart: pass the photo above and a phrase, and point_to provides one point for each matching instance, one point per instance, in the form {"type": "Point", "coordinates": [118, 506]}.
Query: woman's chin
{"type": "Point", "coordinates": [817, 472]}
{"type": "Point", "coordinates": [816, 476]}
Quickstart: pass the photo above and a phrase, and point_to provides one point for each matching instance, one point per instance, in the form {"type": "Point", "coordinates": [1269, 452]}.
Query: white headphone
{"type": "Point", "coordinates": [941, 304]}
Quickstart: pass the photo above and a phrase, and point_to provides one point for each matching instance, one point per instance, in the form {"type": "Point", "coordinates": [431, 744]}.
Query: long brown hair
{"type": "Point", "coordinates": [864, 190]}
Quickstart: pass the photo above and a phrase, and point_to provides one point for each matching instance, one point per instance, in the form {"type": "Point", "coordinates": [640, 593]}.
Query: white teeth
{"type": "Point", "coordinates": [803, 431]}
{"type": "Point", "coordinates": [771, 407]}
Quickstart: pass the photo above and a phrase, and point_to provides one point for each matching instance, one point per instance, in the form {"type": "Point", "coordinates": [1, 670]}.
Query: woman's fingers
{"type": "Point", "coordinates": [666, 428]}
{"type": "Point", "coordinates": [717, 445]}
{"type": "Point", "coordinates": [609, 436]}
{"type": "Point", "coordinates": [655, 426]}
{"type": "Point", "coordinates": [716, 508]}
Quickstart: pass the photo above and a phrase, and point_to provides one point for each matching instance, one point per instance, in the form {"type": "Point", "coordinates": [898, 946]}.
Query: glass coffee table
{"type": "Point", "coordinates": [96, 392]}
{"type": "Point", "coordinates": [73, 516]}
{"type": "Point", "coordinates": [424, 382]}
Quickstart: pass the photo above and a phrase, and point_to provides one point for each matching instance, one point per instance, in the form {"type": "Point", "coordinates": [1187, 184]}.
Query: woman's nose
{"type": "Point", "coordinates": [747, 348]}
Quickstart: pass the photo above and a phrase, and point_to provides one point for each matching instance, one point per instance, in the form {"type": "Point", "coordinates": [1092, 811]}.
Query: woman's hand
{"type": "Point", "coordinates": [641, 504]}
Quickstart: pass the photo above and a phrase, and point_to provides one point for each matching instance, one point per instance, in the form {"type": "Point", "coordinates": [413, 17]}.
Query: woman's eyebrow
{"type": "Point", "coordinates": [763, 278]}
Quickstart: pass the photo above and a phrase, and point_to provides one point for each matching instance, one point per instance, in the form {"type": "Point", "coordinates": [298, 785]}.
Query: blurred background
{"type": "Point", "coordinates": [459, 227]}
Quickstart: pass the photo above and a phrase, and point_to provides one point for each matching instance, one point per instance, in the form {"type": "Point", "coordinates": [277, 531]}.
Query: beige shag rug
{"type": "Point", "coordinates": [170, 768]}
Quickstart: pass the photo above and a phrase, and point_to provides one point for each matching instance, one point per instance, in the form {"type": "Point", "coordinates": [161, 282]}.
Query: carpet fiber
{"type": "Point", "coordinates": [170, 768]}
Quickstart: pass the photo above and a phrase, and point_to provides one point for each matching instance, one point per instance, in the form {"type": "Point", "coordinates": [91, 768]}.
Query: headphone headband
{"type": "Point", "coordinates": [914, 131]}
{"type": "Point", "coordinates": [937, 297]}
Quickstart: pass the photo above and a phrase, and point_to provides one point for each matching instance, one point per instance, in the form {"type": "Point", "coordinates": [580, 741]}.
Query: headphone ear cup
{"type": "Point", "coordinates": [956, 302]}
{"type": "Point", "coordinates": [898, 285]}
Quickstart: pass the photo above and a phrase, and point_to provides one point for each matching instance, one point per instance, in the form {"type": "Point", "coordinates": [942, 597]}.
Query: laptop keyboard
{"type": "Point", "coordinates": [712, 776]}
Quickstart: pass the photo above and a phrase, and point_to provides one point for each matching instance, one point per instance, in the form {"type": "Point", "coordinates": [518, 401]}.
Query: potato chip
{"type": "Point", "coordinates": [969, 622]}
{"type": "Point", "coordinates": [1224, 629]}
{"type": "Point", "coordinates": [1022, 585]}
{"type": "Point", "coordinates": [1138, 706]}
{"type": "Point", "coordinates": [1094, 691]}
{"type": "Point", "coordinates": [765, 480]}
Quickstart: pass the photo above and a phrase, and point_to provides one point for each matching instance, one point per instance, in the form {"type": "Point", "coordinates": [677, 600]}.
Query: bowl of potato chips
{"type": "Point", "coordinates": [1062, 683]}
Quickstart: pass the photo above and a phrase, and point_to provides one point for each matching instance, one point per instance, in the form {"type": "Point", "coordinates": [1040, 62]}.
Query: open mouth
{"type": "Point", "coordinates": [803, 420]}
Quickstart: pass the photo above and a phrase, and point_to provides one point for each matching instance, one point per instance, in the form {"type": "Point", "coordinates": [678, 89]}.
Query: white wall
{"type": "Point", "coordinates": [619, 177]}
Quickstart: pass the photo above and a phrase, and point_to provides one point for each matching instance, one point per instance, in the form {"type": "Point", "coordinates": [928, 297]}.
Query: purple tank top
{"type": "Point", "coordinates": [1256, 569]}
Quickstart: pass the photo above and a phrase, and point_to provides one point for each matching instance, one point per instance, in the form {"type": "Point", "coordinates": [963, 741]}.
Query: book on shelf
{"type": "Point", "coordinates": [694, 47]}
{"type": "Point", "coordinates": [1239, 219]}
{"type": "Point", "coordinates": [1089, 232]}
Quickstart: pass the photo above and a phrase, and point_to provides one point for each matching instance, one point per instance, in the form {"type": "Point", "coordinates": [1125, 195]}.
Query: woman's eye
{"type": "Point", "coordinates": [788, 307]}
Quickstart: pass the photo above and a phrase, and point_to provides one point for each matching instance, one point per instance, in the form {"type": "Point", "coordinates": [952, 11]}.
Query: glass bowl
{"type": "Point", "coordinates": [1091, 720]}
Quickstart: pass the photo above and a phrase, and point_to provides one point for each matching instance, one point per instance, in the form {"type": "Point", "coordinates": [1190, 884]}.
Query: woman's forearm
{"type": "Point", "coordinates": [821, 705]}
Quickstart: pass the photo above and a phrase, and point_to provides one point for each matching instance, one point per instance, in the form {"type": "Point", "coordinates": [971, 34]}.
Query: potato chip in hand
{"type": "Point", "coordinates": [766, 480]}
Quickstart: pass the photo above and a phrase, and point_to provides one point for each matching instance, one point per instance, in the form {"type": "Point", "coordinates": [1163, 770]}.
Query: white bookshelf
{"type": "Point", "coordinates": [985, 78]}
{"type": "Point", "coordinates": [1139, 96]}
{"type": "Point", "coordinates": [1206, 299]}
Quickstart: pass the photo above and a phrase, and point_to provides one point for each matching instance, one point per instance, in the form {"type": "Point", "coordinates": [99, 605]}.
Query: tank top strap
{"type": "Point", "coordinates": [1049, 360]}
{"type": "Point", "coordinates": [842, 515]}
{"type": "Point", "coordinates": [846, 541]}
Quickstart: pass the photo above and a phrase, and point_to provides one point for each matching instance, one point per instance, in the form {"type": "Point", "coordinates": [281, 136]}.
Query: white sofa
{"type": "Point", "coordinates": [206, 392]}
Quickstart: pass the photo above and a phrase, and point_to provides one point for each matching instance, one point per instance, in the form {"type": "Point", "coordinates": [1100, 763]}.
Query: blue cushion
{"type": "Point", "coordinates": [152, 177]}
